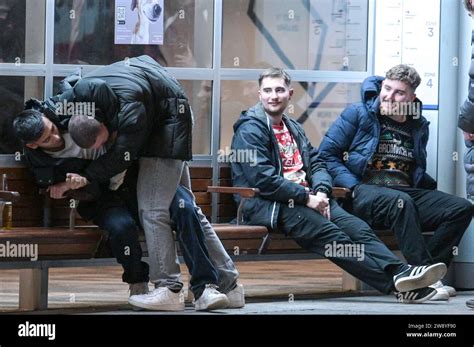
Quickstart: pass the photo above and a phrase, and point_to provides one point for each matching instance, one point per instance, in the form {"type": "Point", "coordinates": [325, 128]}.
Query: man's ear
{"type": "Point", "coordinates": [32, 145]}
{"type": "Point", "coordinates": [291, 92]}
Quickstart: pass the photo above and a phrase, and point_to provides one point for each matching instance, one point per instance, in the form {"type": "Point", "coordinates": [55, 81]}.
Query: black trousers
{"type": "Point", "coordinates": [317, 234]}
{"type": "Point", "coordinates": [409, 211]}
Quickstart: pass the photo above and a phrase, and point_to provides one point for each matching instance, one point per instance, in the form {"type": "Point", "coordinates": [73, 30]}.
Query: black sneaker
{"type": "Point", "coordinates": [470, 303]}
{"type": "Point", "coordinates": [415, 296]}
{"type": "Point", "coordinates": [416, 277]}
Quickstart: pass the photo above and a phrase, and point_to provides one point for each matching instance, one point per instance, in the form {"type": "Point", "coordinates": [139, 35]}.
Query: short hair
{"type": "Point", "coordinates": [28, 126]}
{"type": "Point", "coordinates": [468, 6]}
{"type": "Point", "coordinates": [275, 72]}
{"type": "Point", "coordinates": [84, 130]}
{"type": "Point", "coordinates": [406, 74]}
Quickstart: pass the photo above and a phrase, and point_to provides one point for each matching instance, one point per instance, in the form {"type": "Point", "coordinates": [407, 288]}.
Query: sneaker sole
{"type": "Point", "coordinates": [420, 300]}
{"type": "Point", "coordinates": [216, 305]}
{"type": "Point", "coordinates": [433, 274]}
{"type": "Point", "coordinates": [169, 307]}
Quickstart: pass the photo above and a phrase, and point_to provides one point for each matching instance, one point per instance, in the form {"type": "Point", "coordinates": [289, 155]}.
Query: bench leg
{"type": "Point", "coordinates": [33, 289]}
{"type": "Point", "coordinates": [350, 283]}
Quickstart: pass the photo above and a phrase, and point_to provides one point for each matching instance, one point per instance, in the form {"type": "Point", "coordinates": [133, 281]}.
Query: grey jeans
{"type": "Point", "coordinates": [158, 179]}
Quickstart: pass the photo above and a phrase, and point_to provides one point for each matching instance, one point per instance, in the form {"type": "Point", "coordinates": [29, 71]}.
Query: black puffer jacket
{"type": "Point", "coordinates": [140, 100]}
{"type": "Point", "coordinates": [253, 134]}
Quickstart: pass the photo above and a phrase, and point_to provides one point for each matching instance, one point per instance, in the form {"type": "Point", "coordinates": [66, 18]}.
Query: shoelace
{"type": "Point", "coordinates": [213, 288]}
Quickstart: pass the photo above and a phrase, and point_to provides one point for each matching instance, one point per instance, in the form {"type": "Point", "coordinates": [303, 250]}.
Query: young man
{"type": "Point", "coordinates": [377, 148]}
{"type": "Point", "coordinates": [48, 146]}
{"type": "Point", "coordinates": [466, 124]}
{"type": "Point", "coordinates": [295, 191]}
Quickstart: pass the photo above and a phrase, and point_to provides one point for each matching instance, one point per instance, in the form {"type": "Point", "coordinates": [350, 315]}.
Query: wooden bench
{"type": "Point", "coordinates": [65, 240]}
{"type": "Point", "coordinates": [40, 221]}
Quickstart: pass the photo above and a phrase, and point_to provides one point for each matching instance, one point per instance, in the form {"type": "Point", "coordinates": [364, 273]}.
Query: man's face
{"type": "Point", "coordinates": [50, 139]}
{"type": "Point", "coordinates": [274, 95]}
{"type": "Point", "coordinates": [393, 95]}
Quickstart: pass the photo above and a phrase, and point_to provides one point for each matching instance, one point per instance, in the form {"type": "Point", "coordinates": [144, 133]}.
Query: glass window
{"type": "Point", "coordinates": [14, 91]}
{"type": "Point", "coordinates": [295, 34]}
{"type": "Point", "coordinates": [200, 98]}
{"type": "Point", "coordinates": [22, 26]}
{"type": "Point", "coordinates": [84, 34]}
{"type": "Point", "coordinates": [315, 105]}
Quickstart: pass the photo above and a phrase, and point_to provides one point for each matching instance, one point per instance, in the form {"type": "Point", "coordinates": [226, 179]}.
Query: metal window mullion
{"type": "Point", "coordinates": [49, 49]}
{"type": "Point", "coordinates": [216, 98]}
{"type": "Point", "coordinates": [10, 69]}
{"type": "Point", "coordinates": [371, 38]}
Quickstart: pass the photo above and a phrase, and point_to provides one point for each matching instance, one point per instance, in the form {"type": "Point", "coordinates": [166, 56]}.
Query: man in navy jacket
{"type": "Point", "coordinates": [377, 148]}
{"type": "Point", "coordinates": [277, 158]}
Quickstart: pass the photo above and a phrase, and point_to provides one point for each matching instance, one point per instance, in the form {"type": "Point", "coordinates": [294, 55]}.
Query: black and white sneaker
{"type": "Point", "coordinates": [415, 296]}
{"type": "Point", "coordinates": [416, 277]}
{"type": "Point", "coordinates": [470, 303]}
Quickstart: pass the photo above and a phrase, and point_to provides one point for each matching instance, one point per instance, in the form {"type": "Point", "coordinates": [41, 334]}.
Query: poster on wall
{"type": "Point", "coordinates": [139, 22]}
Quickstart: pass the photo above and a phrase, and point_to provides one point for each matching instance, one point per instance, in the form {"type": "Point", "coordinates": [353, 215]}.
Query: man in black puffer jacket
{"type": "Point", "coordinates": [271, 152]}
{"type": "Point", "coordinates": [143, 114]}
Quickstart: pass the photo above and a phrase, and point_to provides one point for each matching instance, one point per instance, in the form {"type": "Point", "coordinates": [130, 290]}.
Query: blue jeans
{"type": "Point", "coordinates": [123, 236]}
{"type": "Point", "coordinates": [192, 241]}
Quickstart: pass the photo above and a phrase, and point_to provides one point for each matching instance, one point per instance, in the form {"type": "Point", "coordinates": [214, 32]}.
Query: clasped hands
{"type": "Point", "coordinates": [320, 203]}
{"type": "Point", "coordinates": [73, 182]}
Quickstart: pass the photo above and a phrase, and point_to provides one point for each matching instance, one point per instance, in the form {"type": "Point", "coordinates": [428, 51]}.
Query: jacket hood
{"type": "Point", "coordinates": [254, 114]}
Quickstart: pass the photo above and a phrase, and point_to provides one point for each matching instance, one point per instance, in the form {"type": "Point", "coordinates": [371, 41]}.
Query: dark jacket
{"type": "Point", "coordinates": [469, 167]}
{"type": "Point", "coordinates": [142, 102]}
{"type": "Point", "coordinates": [253, 134]}
{"type": "Point", "coordinates": [352, 140]}
{"type": "Point", "coordinates": [466, 123]}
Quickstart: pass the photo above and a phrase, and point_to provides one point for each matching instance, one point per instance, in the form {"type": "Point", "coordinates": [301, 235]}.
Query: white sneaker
{"type": "Point", "coordinates": [416, 277]}
{"type": "Point", "coordinates": [450, 290]}
{"type": "Point", "coordinates": [441, 295]}
{"type": "Point", "coordinates": [236, 297]}
{"type": "Point", "coordinates": [211, 299]}
{"type": "Point", "coordinates": [160, 299]}
{"type": "Point", "coordinates": [138, 288]}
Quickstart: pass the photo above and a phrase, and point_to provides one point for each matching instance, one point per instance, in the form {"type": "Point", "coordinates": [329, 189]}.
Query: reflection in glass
{"type": "Point", "coordinates": [315, 105]}
{"type": "Point", "coordinates": [200, 98]}
{"type": "Point", "coordinates": [87, 36]}
{"type": "Point", "coordinates": [13, 93]}
{"type": "Point", "coordinates": [22, 31]}
{"type": "Point", "coordinates": [329, 35]}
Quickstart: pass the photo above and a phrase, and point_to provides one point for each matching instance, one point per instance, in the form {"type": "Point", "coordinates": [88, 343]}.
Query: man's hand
{"type": "Point", "coordinates": [320, 203]}
{"type": "Point", "coordinates": [76, 181]}
{"type": "Point", "coordinates": [57, 190]}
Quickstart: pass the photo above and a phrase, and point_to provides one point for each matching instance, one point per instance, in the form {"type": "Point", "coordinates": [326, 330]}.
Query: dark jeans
{"type": "Point", "coordinates": [317, 234]}
{"type": "Point", "coordinates": [190, 235]}
{"type": "Point", "coordinates": [409, 211]}
{"type": "Point", "coordinates": [123, 236]}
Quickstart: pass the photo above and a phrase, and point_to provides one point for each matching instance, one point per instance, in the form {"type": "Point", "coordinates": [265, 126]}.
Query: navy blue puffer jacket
{"type": "Point", "coordinates": [352, 140]}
